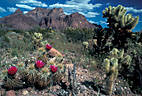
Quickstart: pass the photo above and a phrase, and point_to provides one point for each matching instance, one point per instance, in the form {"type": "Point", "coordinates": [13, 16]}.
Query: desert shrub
{"type": "Point", "coordinates": [134, 74]}
{"type": "Point", "coordinates": [47, 32]}
{"type": "Point", "coordinates": [18, 43]}
{"type": "Point", "coordinates": [79, 35]}
{"type": "Point", "coordinates": [2, 32]}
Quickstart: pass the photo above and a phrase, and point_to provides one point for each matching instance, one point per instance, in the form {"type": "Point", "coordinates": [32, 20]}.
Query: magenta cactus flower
{"type": "Point", "coordinates": [12, 70]}
{"type": "Point", "coordinates": [48, 47]}
{"type": "Point", "coordinates": [53, 68]}
{"type": "Point", "coordinates": [40, 64]}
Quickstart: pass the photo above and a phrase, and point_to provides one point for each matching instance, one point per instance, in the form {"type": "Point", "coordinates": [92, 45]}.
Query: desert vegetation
{"type": "Point", "coordinates": [88, 62]}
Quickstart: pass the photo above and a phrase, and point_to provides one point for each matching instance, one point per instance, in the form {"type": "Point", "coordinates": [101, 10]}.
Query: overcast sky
{"type": "Point", "coordinates": [91, 9]}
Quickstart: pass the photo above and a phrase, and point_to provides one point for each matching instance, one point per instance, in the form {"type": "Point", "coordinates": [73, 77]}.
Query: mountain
{"type": "Point", "coordinates": [45, 18]}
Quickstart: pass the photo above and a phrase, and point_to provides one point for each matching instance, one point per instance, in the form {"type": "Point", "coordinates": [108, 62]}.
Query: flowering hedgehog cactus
{"type": "Point", "coordinates": [48, 47]}
{"type": "Point", "coordinates": [53, 68]}
{"type": "Point", "coordinates": [12, 80]}
{"type": "Point", "coordinates": [39, 64]}
{"type": "Point", "coordinates": [12, 70]}
{"type": "Point", "coordinates": [39, 74]}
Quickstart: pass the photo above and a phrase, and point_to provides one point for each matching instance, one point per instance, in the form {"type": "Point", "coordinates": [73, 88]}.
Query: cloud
{"type": "Point", "coordinates": [93, 22]}
{"type": "Point", "coordinates": [63, 5]}
{"type": "Point", "coordinates": [99, 22]}
{"type": "Point", "coordinates": [34, 3]}
{"type": "Point", "coordinates": [97, 5]}
{"type": "Point", "coordinates": [103, 22]}
{"type": "Point", "coordinates": [134, 10]}
{"type": "Point", "coordinates": [11, 9]}
{"type": "Point", "coordinates": [77, 6]}
{"type": "Point", "coordinates": [83, 4]}
{"type": "Point", "coordinates": [25, 12]}
{"type": "Point", "coordinates": [2, 9]}
{"type": "Point", "coordinates": [67, 13]}
{"type": "Point", "coordinates": [24, 6]}
{"type": "Point", "coordinates": [90, 14]}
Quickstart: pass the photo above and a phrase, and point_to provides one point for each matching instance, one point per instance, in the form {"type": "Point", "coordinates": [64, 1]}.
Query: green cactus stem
{"type": "Point", "coordinates": [118, 19]}
{"type": "Point", "coordinates": [113, 65]}
{"type": "Point", "coordinates": [112, 70]}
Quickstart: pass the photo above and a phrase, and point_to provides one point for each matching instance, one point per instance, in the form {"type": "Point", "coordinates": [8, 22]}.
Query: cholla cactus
{"type": "Point", "coordinates": [112, 67]}
{"type": "Point", "coordinates": [127, 60]}
{"type": "Point", "coordinates": [121, 53]}
{"type": "Point", "coordinates": [107, 65]}
{"type": "Point", "coordinates": [118, 19]}
{"type": "Point", "coordinates": [114, 52]}
{"type": "Point", "coordinates": [122, 58]}
{"type": "Point", "coordinates": [37, 38]}
{"type": "Point", "coordinates": [112, 70]}
{"type": "Point", "coordinates": [85, 44]}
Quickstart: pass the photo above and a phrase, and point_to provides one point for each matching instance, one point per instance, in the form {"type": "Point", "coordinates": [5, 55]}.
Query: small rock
{"type": "Point", "coordinates": [25, 92]}
{"type": "Point", "coordinates": [10, 93]}
{"type": "Point", "coordinates": [82, 88]}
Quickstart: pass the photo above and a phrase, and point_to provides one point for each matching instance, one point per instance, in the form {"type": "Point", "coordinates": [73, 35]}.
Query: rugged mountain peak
{"type": "Point", "coordinates": [45, 18]}
{"type": "Point", "coordinates": [18, 11]}
{"type": "Point", "coordinates": [76, 14]}
{"type": "Point", "coordinates": [58, 10]}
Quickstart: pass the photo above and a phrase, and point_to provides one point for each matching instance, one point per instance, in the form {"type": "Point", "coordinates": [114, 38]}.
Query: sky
{"type": "Point", "coordinates": [91, 9]}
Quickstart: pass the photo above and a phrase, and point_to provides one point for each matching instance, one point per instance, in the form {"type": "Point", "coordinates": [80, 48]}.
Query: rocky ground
{"type": "Point", "coordinates": [82, 83]}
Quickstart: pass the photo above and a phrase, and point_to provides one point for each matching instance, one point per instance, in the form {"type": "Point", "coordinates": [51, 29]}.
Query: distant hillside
{"type": "Point", "coordinates": [45, 18]}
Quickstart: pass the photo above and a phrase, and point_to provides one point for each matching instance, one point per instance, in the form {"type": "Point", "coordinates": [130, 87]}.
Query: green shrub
{"type": "Point", "coordinates": [79, 35]}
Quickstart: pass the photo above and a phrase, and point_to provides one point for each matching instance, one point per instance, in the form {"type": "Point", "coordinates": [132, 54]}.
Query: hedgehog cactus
{"type": "Point", "coordinates": [30, 74]}
{"type": "Point", "coordinates": [43, 78]}
{"type": "Point", "coordinates": [39, 74]}
{"type": "Point", "coordinates": [12, 83]}
{"type": "Point", "coordinates": [11, 78]}
{"type": "Point", "coordinates": [118, 19]}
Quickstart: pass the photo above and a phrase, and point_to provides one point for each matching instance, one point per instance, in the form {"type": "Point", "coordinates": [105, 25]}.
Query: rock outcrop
{"type": "Point", "coordinates": [45, 18]}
